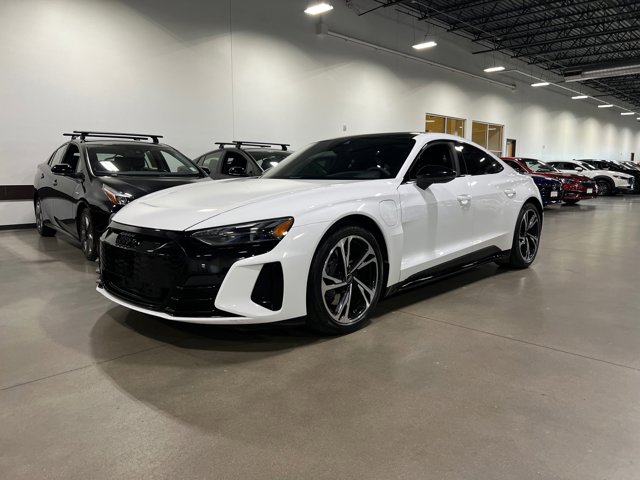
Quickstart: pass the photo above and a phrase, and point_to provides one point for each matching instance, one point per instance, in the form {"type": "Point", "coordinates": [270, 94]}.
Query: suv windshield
{"type": "Point", "coordinates": [153, 160]}
{"type": "Point", "coordinates": [268, 158]}
{"type": "Point", "coordinates": [354, 158]}
{"type": "Point", "coordinates": [538, 166]}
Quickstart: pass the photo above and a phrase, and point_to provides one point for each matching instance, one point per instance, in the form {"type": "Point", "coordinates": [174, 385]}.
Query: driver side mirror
{"type": "Point", "coordinates": [237, 172]}
{"type": "Point", "coordinates": [579, 169]}
{"type": "Point", "coordinates": [62, 169]}
{"type": "Point", "coordinates": [430, 174]}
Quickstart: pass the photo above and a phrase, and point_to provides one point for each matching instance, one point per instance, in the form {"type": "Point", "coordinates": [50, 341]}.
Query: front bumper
{"type": "Point", "coordinates": [624, 185]}
{"type": "Point", "coordinates": [172, 276]}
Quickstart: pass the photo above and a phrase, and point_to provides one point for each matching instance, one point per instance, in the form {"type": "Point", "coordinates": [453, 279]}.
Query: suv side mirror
{"type": "Point", "coordinates": [237, 172]}
{"type": "Point", "coordinates": [430, 174]}
{"type": "Point", "coordinates": [579, 169]}
{"type": "Point", "coordinates": [62, 169]}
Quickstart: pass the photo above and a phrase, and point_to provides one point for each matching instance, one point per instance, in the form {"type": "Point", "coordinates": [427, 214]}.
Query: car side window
{"type": "Point", "coordinates": [72, 157]}
{"type": "Point", "coordinates": [233, 160]}
{"type": "Point", "coordinates": [477, 162]}
{"type": "Point", "coordinates": [211, 160]}
{"type": "Point", "coordinates": [440, 154]}
{"type": "Point", "coordinates": [57, 156]}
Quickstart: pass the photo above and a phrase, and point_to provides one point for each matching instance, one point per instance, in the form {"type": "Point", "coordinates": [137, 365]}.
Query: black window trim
{"type": "Point", "coordinates": [454, 156]}
{"type": "Point", "coordinates": [461, 161]}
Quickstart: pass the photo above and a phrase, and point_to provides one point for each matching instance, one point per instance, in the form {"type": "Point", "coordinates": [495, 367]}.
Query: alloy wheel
{"type": "Point", "coordinates": [39, 219]}
{"type": "Point", "coordinates": [603, 187]}
{"type": "Point", "coordinates": [86, 234]}
{"type": "Point", "coordinates": [349, 279]}
{"type": "Point", "coordinates": [529, 235]}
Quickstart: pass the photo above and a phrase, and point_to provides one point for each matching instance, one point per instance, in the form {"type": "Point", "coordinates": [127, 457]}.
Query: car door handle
{"type": "Point", "coordinates": [464, 200]}
{"type": "Point", "coordinates": [510, 192]}
{"type": "Point", "coordinates": [55, 182]}
{"type": "Point", "coordinates": [42, 175]}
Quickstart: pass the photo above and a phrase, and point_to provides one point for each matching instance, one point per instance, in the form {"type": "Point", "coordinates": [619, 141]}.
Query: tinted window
{"type": "Point", "coordinates": [152, 160]}
{"type": "Point", "coordinates": [211, 160]}
{"type": "Point", "coordinates": [355, 158]}
{"type": "Point", "coordinates": [440, 154]}
{"type": "Point", "coordinates": [233, 160]}
{"type": "Point", "coordinates": [71, 157]}
{"type": "Point", "coordinates": [516, 166]}
{"type": "Point", "coordinates": [56, 158]}
{"type": "Point", "coordinates": [268, 158]}
{"type": "Point", "coordinates": [477, 162]}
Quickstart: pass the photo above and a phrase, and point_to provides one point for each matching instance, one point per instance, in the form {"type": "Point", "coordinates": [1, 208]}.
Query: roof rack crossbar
{"type": "Point", "coordinates": [241, 143]}
{"type": "Point", "coordinates": [83, 134]}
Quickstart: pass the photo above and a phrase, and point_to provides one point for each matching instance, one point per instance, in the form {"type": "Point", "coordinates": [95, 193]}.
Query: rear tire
{"type": "Point", "coordinates": [40, 226]}
{"type": "Point", "coordinates": [526, 238]}
{"type": "Point", "coordinates": [345, 281]}
{"type": "Point", "coordinates": [88, 236]}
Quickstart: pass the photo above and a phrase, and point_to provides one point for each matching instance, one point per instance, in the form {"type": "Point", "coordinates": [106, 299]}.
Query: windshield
{"type": "Point", "coordinates": [268, 158]}
{"type": "Point", "coordinates": [143, 159]}
{"type": "Point", "coordinates": [538, 166]}
{"type": "Point", "coordinates": [515, 166]}
{"type": "Point", "coordinates": [586, 166]}
{"type": "Point", "coordinates": [355, 158]}
{"type": "Point", "coordinates": [632, 165]}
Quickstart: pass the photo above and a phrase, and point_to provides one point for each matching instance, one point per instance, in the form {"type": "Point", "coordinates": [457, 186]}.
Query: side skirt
{"type": "Point", "coordinates": [447, 269]}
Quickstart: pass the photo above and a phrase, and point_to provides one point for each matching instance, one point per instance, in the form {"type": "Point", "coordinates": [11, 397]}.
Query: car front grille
{"type": "Point", "coordinates": [158, 271]}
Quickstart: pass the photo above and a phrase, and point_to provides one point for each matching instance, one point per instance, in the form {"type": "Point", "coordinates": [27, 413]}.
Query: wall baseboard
{"type": "Point", "coordinates": [16, 192]}
{"type": "Point", "coordinates": [18, 226]}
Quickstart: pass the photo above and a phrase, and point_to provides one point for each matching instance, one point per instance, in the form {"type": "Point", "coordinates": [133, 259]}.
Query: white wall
{"type": "Point", "coordinates": [199, 71]}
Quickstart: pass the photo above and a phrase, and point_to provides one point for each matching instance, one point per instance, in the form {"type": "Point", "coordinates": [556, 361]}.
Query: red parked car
{"type": "Point", "coordinates": [574, 187]}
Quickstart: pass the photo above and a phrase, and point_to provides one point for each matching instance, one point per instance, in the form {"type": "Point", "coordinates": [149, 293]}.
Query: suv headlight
{"type": "Point", "coordinates": [116, 197]}
{"type": "Point", "coordinates": [262, 231]}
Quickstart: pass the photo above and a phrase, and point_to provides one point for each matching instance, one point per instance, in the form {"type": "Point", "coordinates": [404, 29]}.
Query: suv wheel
{"type": "Point", "coordinates": [604, 187]}
{"type": "Point", "coordinates": [345, 281]}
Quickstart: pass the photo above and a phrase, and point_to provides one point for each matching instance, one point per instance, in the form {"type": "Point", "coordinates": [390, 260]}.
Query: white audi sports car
{"type": "Point", "coordinates": [323, 235]}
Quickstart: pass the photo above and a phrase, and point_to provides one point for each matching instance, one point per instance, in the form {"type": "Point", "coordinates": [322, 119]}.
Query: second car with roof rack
{"type": "Point", "coordinates": [94, 174]}
{"type": "Point", "coordinates": [241, 158]}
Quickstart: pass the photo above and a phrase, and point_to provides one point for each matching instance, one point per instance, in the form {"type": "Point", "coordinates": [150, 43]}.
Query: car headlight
{"type": "Point", "coordinates": [262, 231]}
{"type": "Point", "coordinates": [116, 197]}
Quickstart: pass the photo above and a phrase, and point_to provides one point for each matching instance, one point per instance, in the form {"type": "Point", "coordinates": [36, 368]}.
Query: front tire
{"type": "Point", "coordinates": [526, 238]}
{"type": "Point", "coordinates": [88, 236]}
{"type": "Point", "coordinates": [43, 230]}
{"type": "Point", "coordinates": [605, 187]}
{"type": "Point", "coordinates": [345, 281]}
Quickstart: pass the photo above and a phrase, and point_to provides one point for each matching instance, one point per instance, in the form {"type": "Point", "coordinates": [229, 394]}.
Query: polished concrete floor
{"type": "Point", "coordinates": [491, 375]}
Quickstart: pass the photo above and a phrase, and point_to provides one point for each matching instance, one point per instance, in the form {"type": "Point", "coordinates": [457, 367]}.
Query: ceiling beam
{"type": "Point", "coordinates": [551, 41]}
{"type": "Point", "coordinates": [569, 49]}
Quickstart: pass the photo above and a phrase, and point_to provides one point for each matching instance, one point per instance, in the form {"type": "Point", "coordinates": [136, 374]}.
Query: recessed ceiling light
{"type": "Point", "coordinates": [627, 113]}
{"type": "Point", "coordinates": [579, 97]}
{"type": "Point", "coordinates": [606, 105]}
{"type": "Point", "coordinates": [316, 8]}
{"type": "Point", "coordinates": [540, 84]}
{"type": "Point", "coordinates": [493, 69]}
{"type": "Point", "coordinates": [423, 45]}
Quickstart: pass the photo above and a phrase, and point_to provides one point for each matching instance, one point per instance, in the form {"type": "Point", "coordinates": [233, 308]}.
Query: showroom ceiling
{"type": "Point", "coordinates": [586, 42]}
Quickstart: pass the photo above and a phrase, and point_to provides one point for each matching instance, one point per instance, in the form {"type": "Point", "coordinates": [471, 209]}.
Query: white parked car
{"type": "Point", "coordinates": [324, 234]}
{"type": "Point", "coordinates": [608, 181]}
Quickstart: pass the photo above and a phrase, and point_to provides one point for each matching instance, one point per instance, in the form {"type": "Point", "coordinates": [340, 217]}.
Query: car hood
{"type": "Point", "coordinates": [241, 200]}
{"type": "Point", "coordinates": [565, 176]}
{"type": "Point", "coordinates": [139, 186]}
{"type": "Point", "coordinates": [541, 180]}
